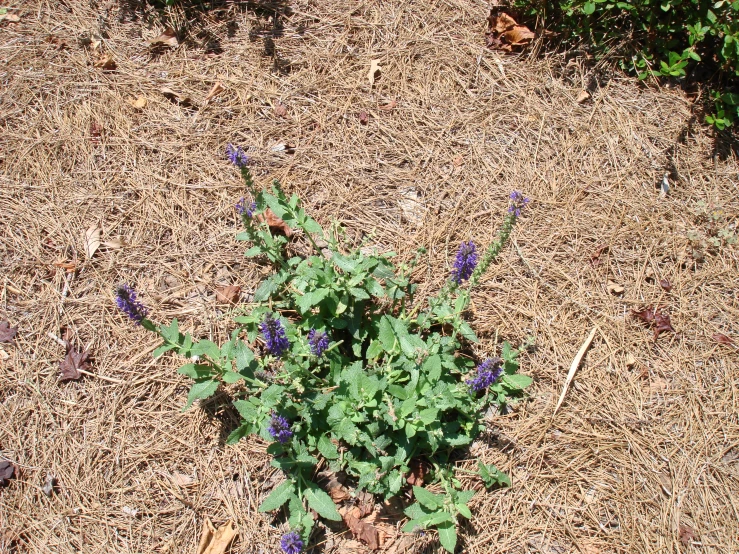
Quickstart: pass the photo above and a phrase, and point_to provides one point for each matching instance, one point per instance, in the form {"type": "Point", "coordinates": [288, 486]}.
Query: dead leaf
{"type": "Point", "coordinates": [418, 472]}
{"type": "Point", "coordinates": [96, 131]}
{"type": "Point", "coordinates": [520, 35]}
{"type": "Point", "coordinates": [665, 284]}
{"type": "Point", "coordinates": [131, 512]}
{"type": "Point", "coordinates": [3, 355]}
{"type": "Point", "coordinates": [182, 480]}
{"type": "Point", "coordinates": [388, 107]}
{"type": "Point", "coordinates": [106, 63]}
{"type": "Point", "coordinates": [361, 529]}
{"type": "Point", "coordinates": [718, 337]}
{"type": "Point", "coordinates": [687, 534]}
{"type": "Point", "coordinates": [363, 117]}
{"type": "Point", "coordinates": [9, 17]}
{"type": "Point", "coordinates": [614, 288]}
{"type": "Point", "coordinates": [7, 472]}
{"type": "Point", "coordinates": [500, 22]}
{"type": "Point", "coordinates": [176, 97]}
{"type": "Point", "coordinates": [595, 256]}
{"type": "Point", "coordinates": [56, 41]}
{"type": "Point", "coordinates": [374, 72]}
{"type": "Point", "coordinates": [167, 38]}
{"type": "Point", "coordinates": [662, 324]}
{"type": "Point", "coordinates": [215, 91]}
{"type": "Point", "coordinates": [69, 267]}
{"type": "Point", "coordinates": [72, 363]}
{"type": "Point", "coordinates": [505, 33]}
{"type": "Point", "coordinates": [92, 240]}
{"type": "Point", "coordinates": [583, 96]}
{"type": "Point", "coordinates": [216, 541]}
{"type": "Point", "coordinates": [228, 294]}
{"type": "Point", "coordinates": [139, 103]}
{"type": "Point", "coordinates": [630, 360]}
{"type": "Point", "coordinates": [7, 333]}
{"type": "Point", "coordinates": [114, 243]}
{"type": "Point", "coordinates": [646, 315]}
{"type": "Point", "coordinates": [49, 485]}
{"type": "Point", "coordinates": [334, 485]}
{"type": "Point", "coordinates": [280, 109]}
{"type": "Point", "coordinates": [274, 222]}
{"type": "Point", "coordinates": [573, 367]}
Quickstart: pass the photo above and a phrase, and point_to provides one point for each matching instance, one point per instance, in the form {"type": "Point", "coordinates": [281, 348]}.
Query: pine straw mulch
{"type": "Point", "coordinates": [642, 456]}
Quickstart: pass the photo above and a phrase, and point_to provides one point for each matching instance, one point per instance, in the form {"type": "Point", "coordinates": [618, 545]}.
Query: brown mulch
{"type": "Point", "coordinates": [643, 454]}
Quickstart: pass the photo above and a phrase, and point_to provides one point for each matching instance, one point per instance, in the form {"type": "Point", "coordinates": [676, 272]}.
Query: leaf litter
{"type": "Point", "coordinates": [74, 364]}
{"type": "Point", "coordinates": [654, 317]}
{"type": "Point", "coordinates": [7, 472]}
{"type": "Point", "coordinates": [7, 333]}
{"type": "Point", "coordinates": [505, 34]}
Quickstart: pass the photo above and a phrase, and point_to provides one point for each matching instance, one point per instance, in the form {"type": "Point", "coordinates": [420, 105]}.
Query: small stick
{"type": "Point", "coordinates": [574, 366]}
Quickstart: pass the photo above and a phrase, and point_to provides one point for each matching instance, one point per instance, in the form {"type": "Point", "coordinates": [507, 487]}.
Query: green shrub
{"type": "Point", "coordinates": [666, 38]}
{"type": "Point", "coordinates": [336, 363]}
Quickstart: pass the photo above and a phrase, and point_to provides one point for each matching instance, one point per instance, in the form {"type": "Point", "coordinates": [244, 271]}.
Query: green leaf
{"type": "Point", "coordinates": [311, 299]}
{"type": "Point", "coordinates": [268, 287]}
{"type": "Point", "coordinates": [201, 390]}
{"type": "Point", "coordinates": [432, 367]}
{"type": "Point", "coordinates": [588, 8]}
{"type": "Point", "coordinates": [517, 381]}
{"type": "Point", "coordinates": [447, 535]}
{"type": "Point", "coordinates": [464, 510]}
{"type": "Point", "coordinates": [429, 415]}
{"type": "Point", "coordinates": [231, 377]}
{"type": "Point", "coordinates": [386, 334]}
{"type": "Point", "coordinates": [171, 333]}
{"type": "Point", "coordinates": [427, 498]}
{"type": "Point", "coordinates": [162, 349]}
{"type": "Point", "coordinates": [239, 433]}
{"type": "Point", "coordinates": [246, 410]}
{"type": "Point", "coordinates": [207, 348]}
{"type": "Point", "coordinates": [321, 502]}
{"type": "Point", "coordinates": [278, 497]}
{"type": "Point", "coordinates": [327, 448]}
{"type": "Point", "coordinates": [347, 264]}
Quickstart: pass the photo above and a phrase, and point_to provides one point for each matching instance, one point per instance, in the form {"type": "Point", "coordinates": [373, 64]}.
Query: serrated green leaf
{"type": "Point", "coordinates": [321, 502]}
{"type": "Point", "coordinates": [374, 350]}
{"type": "Point", "coordinates": [327, 448]}
{"type": "Point", "coordinates": [464, 510]}
{"type": "Point", "coordinates": [278, 497]}
{"type": "Point", "coordinates": [311, 299]}
{"type": "Point", "coordinates": [386, 334]}
{"type": "Point", "coordinates": [428, 498]}
{"type": "Point", "coordinates": [201, 390]}
{"type": "Point", "coordinates": [170, 333]}
{"type": "Point", "coordinates": [246, 409]}
{"type": "Point", "coordinates": [432, 368]}
{"type": "Point", "coordinates": [429, 415]}
{"type": "Point", "coordinates": [239, 433]}
{"type": "Point", "coordinates": [162, 349]}
{"type": "Point", "coordinates": [231, 377]}
{"type": "Point", "coordinates": [517, 381]}
{"type": "Point", "coordinates": [207, 348]}
{"type": "Point", "coordinates": [447, 535]}
{"type": "Point", "coordinates": [348, 265]}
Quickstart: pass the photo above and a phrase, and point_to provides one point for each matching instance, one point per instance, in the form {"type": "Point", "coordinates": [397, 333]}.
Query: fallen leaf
{"type": "Point", "coordinates": [614, 288]}
{"type": "Point", "coordinates": [630, 360]}
{"type": "Point", "coordinates": [389, 106]}
{"type": "Point", "coordinates": [363, 117]}
{"type": "Point", "coordinates": [662, 324]}
{"type": "Point", "coordinates": [228, 294]}
{"type": "Point", "coordinates": [3, 355]}
{"type": "Point", "coordinates": [92, 240]}
{"type": "Point", "coordinates": [412, 207]}
{"type": "Point", "coordinates": [731, 455]}
{"type": "Point", "coordinates": [132, 512]}
{"type": "Point", "coordinates": [106, 63]}
{"type": "Point", "coordinates": [167, 38]}
{"type": "Point", "coordinates": [504, 33]}
{"type": "Point", "coordinates": [665, 284]}
{"type": "Point", "coordinates": [274, 222]}
{"type": "Point", "coordinates": [418, 471]}
{"type": "Point", "coordinates": [658, 384]}
{"type": "Point", "coordinates": [49, 485]}
{"type": "Point", "coordinates": [139, 103]}
{"type": "Point", "coordinates": [333, 483]}
{"type": "Point", "coordinates": [69, 267]}
{"type": "Point", "coordinates": [7, 333]}
{"type": "Point", "coordinates": [72, 363]}
{"type": "Point", "coordinates": [7, 472]}
{"type": "Point", "coordinates": [583, 96]}
{"type": "Point", "coordinates": [114, 243]}
{"type": "Point", "coordinates": [280, 109]}
{"type": "Point", "coordinates": [718, 337]}
{"type": "Point", "coordinates": [374, 72]}
{"type": "Point", "coordinates": [366, 503]}
{"type": "Point", "coordinates": [282, 147]}
{"type": "Point", "coordinates": [574, 366]}
{"type": "Point", "coordinates": [500, 22]}
{"type": "Point", "coordinates": [361, 529]}
{"type": "Point", "coordinates": [176, 97]}
{"type": "Point", "coordinates": [56, 41]}
{"type": "Point", "coordinates": [595, 256]}
{"type": "Point", "coordinates": [646, 315]}
{"type": "Point", "coordinates": [457, 161]}
{"type": "Point", "coordinates": [96, 131]}
{"type": "Point", "coordinates": [216, 541]}
{"type": "Point", "coordinates": [9, 17]}
{"type": "Point", "coordinates": [687, 534]}
{"type": "Point", "coordinates": [520, 35]}
{"type": "Point", "coordinates": [215, 91]}
{"type": "Point", "coordinates": [182, 480]}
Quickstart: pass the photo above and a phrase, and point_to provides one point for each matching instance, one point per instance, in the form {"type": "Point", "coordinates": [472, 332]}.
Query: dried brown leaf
{"type": "Point", "coordinates": [175, 97]}
{"type": "Point", "coordinates": [418, 472]}
{"type": "Point", "coordinates": [7, 333]}
{"type": "Point", "coordinates": [662, 324]}
{"type": "Point", "coordinates": [389, 106]}
{"type": "Point", "coordinates": [139, 103]}
{"type": "Point", "coordinates": [56, 41]}
{"type": "Point", "coordinates": [500, 22]}
{"type": "Point", "coordinates": [280, 110]}
{"type": "Point", "coordinates": [92, 240]}
{"type": "Point", "coordinates": [182, 480]}
{"type": "Point", "coordinates": [374, 72]}
{"type": "Point", "coordinates": [595, 256]}
{"type": "Point", "coordinates": [646, 315]}
{"type": "Point", "coordinates": [582, 97]}
{"type": "Point", "coordinates": [167, 38]}
{"type": "Point", "coordinates": [69, 267]}
{"type": "Point", "coordinates": [7, 472]}
{"type": "Point", "coordinates": [274, 222]}
{"type": "Point", "coordinates": [96, 131]}
{"type": "Point", "coordinates": [106, 63]}
{"type": "Point", "coordinates": [217, 89]}
{"type": "Point", "coordinates": [718, 337]}
{"type": "Point", "coordinates": [228, 294]}
{"type": "Point", "coordinates": [72, 363]}
{"type": "Point", "coordinates": [687, 534]}
{"type": "Point", "coordinates": [665, 284]}
{"type": "Point", "coordinates": [10, 17]}
{"type": "Point", "coordinates": [363, 117]}
{"type": "Point", "coordinates": [520, 35]}
{"type": "Point", "coordinates": [49, 485]}
{"type": "Point", "coordinates": [360, 528]}
{"type": "Point", "coordinates": [614, 288]}
{"type": "Point", "coordinates": [219, 540]}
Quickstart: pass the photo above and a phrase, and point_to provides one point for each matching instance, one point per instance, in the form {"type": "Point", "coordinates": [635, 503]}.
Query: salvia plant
{"type": "Point", "coordinates": [335, 362]}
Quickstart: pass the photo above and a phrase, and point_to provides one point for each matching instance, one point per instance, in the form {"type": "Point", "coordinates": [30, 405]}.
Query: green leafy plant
{"type": "Point", "coordinates": [664, 38]}
{"type": "Point", "coordinates": [336, 361]}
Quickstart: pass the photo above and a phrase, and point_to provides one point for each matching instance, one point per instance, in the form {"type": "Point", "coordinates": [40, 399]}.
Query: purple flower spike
{"type": "Point", "coordinates": [242, 208]}
{"type": "Point", "coordinates": [318, 341]}
{"type": "Point", "coordinates": [518, 203]}
{"type": "Point", "coordinates": [125, 298]}
{"type": "Point", "coordinates": [274, 335]}
{"type": "Point", "coordinates": [291, 543]}
{"type": "Point", "coordinates": [279, 428]}
{"type": "Point", "coordinates": [237, 156]}
{"type": "Point", "coordinates": [487, 373]}
{"type": "Point", "coordinates": [465, 262]}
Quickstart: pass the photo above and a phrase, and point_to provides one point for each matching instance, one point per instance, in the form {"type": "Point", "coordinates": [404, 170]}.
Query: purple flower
{"type": "Point", "coordinates": [237, 156]}
{"type": "Point", "coordinates": [125, 298]}
{"type": "Point", "coordinates": [465, 262]}
{"type": "Point", "coordinates": [279, 428]}
{"type": "Point", "coordinates": [274, 335]}
{"type": "Point", "coordinates": [518, 203]}
{"type": "Point", "coordinates": [318, 341]}
{"type": "Point", "coordinates": [242, 208]}
{"type": "Point", "coordinates": [487, 373]}
{"type": "Point", "coordinates": [291, 543]}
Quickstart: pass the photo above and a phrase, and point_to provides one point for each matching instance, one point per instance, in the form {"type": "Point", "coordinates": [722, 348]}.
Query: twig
{"type": "Point", "coordinates": [574, 366]}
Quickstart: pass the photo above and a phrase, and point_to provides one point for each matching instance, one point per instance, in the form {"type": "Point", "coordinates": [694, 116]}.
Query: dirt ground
{"type": "Point", "coordinates": [643, 455]}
